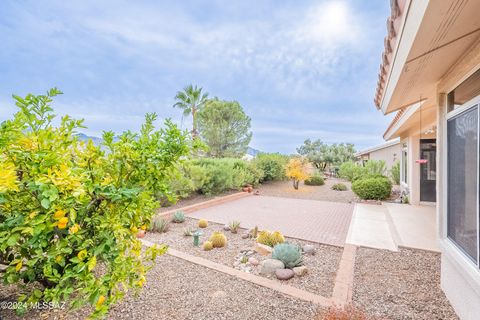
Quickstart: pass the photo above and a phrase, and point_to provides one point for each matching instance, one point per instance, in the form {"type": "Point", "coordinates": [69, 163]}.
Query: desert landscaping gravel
{"type": "Point", "coordinates": [322, 266]}
{"type": "Point", "coordinates": [177, 289]}
{"type": "Point", "coordinates": [324, 193]}
{"type": "Point", "coordinates": [400, 285]}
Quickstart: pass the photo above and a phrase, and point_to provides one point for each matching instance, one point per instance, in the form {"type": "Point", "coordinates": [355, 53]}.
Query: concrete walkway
{"type": "Point", "coordinates": [311, 220]}
{"type": "Point", "coordinates": [390, 225]}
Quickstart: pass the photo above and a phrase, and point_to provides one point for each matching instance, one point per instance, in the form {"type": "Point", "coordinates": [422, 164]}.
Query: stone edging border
{"type": "Point", "coordinates": [343, 289]}
{"type": "Point", "coordinates": [264, 282]}
{"type": "Point", "coordinates": [206, 204]}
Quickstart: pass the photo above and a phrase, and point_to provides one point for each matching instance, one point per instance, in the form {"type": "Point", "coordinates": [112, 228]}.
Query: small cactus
{"type": "Point", "coordinates": [276, 237]}
{"type": "Point", "coordinates": [202, 223]}
{"type": "Point", "coordinates": [263, 237]}
{"type": "Point", "coordinates": [207, 245]}
{"type": "Point", "coordinates": [218, 239]}
{"type": "Point", "coordinates": [254, 232]}
{"type": "Point", "coordinates": [178, 217]}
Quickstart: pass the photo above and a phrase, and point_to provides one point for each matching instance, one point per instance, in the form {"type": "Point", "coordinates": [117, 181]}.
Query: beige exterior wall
{"type": "Point", "coordinates": [389, 154]}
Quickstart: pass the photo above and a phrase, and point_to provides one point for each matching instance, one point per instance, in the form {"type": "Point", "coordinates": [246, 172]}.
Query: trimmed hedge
{"type": "Point", "coordinates": [374, 188]}
{"type": "Point", "coordinates": [315, 180]}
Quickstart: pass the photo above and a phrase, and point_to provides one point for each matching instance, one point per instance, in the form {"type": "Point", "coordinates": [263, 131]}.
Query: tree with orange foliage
{"type": "Point", "coordinates": [296, 171]}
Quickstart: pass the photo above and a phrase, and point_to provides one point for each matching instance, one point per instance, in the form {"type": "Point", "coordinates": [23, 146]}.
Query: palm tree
{"type": "Point", "coordinates": [191, 100]}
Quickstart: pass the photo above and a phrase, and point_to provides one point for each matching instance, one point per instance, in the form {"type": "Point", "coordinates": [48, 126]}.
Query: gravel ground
{"type": "Point", "coordinates": [324, 193]}
{"type": "Point", "coordinates": [400, 285]}
{"type": "Point", "coordinates": [322, 266]}
{"type": "Point", "coordinates": [177, 289]}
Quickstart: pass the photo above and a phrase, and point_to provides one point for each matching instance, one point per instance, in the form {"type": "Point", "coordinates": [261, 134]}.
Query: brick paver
{"type": "Point", "coordinates": [311, 220]}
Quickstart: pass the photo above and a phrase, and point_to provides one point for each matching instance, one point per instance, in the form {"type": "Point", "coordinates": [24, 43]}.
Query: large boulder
{"type": "Point", "coordinates": [269, 266]}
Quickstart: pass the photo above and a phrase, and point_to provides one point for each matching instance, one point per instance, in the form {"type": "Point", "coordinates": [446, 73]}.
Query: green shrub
{"type": "Point", "coordinates": [351, 171]}
{"type": "Point", "coordinates": [339, 187]}
{"type": "Point", "coordinates": [315, 180]}
{"type": "Point", "coordinates": [272, 165]}
{"type": "Point", "coordinates": [395, 173]}
{"type": "Point", "coordinates": [372, 188]}
{"type": "Point", "coordinates": [375, 168]}
{"type": "Point", "coordinates": [289, 254]}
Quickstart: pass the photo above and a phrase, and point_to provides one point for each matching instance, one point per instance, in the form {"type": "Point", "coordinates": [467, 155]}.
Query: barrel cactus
{"type": "Point", "coordinates": [202, 223]}
{"type": "Point", "coordinates": [289, 254]}
{"type": "Point", "coordinates": [207, 245]}
{"type": "Point", "coordinates": [178, 217]}
{"type": "Point", "coordinates": [276, 238]}
{"type": "Point", "coordinates": [218, 239]}
{"type": "Point", "coordinates": [263, 237]}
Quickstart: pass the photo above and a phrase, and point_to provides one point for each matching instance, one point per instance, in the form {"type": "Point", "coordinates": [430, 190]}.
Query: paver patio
{"type": "Point", "coordinates": [312, 220]}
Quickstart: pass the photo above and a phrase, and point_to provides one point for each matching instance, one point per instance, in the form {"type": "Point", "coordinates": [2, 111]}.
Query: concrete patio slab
{"type": "Point", "coordinates": [415, 225]}
{"type": "Point", "coordinates": [370, 228]}
{"type": "Point", "coordinates": [311, 220]}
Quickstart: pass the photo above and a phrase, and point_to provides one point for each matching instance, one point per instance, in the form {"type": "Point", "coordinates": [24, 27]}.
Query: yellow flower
{"type": "Point", "coordinates": [100, 301]}
{"type": "Point", "coordinates": [82, 255]}
{"type": "Point", "coordinates": [74, 229]}
{"type": "Point", "coordinates": [8, 177]}
{"type": "Point", "coordinates": [141, 282]}
{"type": "Point", "coordinates": [33, 214]}
{"type": "Point", "coordinates": [18, 266]}
{"type": "Point", "coordinates": [134, 229]}
{"type": "Point", "coordinates": [59, 214]}
{"type": "Point", "coordinates": [28, 143]}
{"type": "Point", "coordinates": [144, 227]}
{"type": "Point", "coordinates": [58, 259]}
{"type": "Point", "coordinates": [62, 223]}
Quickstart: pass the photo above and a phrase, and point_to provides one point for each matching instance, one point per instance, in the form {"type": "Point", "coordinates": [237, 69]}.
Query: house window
{"type": "Point", "coordinates": [404, 164]}
{"type": "Point", "coordinates": [462, 176]}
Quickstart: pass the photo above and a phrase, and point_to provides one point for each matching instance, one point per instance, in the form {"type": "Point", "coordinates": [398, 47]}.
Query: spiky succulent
{"type": "Point", "coordinates": [207, 245]}
{"type": "Point", "coordinates": [234, 225]}
{"type": "Point", "coordinates": [160, 225]}
{"type": "Point", "coordinates": [276, 237]}
{"type": "Point", "coordinates": [263, 237]}
{"type": "Point", "coordinates": [178, 217]}
{"type": "Point", "coordinates": [218, 239]}
{"type": "Point", "coordinates": [254, 232]}
{"type": "Point", "coordinates": [188, 232]}
{"type": "Point", "coordinates": [289, 254]}
{"type": "Point", "coordinates": [202, 223]}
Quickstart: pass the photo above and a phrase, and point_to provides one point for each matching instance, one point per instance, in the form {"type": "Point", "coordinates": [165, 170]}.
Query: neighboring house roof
{"type": "Point", "coordinates": [376, 148]}
{"type": "Point", "coordinates": [393, 28]}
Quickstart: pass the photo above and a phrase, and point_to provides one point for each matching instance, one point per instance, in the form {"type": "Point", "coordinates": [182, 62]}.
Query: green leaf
{"type": "Point", "coordinates": [45, 203]}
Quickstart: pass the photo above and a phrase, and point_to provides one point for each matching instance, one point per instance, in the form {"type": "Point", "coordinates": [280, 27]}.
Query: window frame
{"type": "Point", "coordinates": [475, 102]}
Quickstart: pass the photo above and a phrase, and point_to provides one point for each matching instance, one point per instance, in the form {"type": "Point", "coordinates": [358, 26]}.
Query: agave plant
{"type": "Point", "coordinates": [178, 217]}
{"type": "Point", "coordinates": [234, 225]}
{"type": "Point", "coordinates": [188, 232]}
{"type": "Point", "coordinates": [289, 254]}
{"type": "Point", "coordinates": [160, 225]}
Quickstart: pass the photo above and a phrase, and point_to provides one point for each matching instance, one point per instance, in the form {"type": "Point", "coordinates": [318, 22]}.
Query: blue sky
{"type": "Point", "coordinates": [300, 69]}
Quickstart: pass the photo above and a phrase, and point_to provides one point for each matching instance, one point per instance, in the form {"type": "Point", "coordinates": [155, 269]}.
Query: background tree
{"type": "Point", "coordinates": [191, 100]}
{"type": "Point", "coordinates": [224, 128]}
{"type": "Point", "coordinates": [322, 155]}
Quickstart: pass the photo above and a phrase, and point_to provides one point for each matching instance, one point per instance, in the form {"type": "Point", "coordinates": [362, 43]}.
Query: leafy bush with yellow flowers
{"type": "Point", "coordinates": [70, 210]}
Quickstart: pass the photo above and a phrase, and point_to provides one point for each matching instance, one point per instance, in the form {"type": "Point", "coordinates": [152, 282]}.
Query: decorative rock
{"type": "Point", "coordinates": [300, 271]}
{"type": "Point", "coordinates": [253, 261]}
{"type": "Point", "coordinates": [263, 249]}
{"type": "Point", "coordinates": [269, 266]}
{"type": "Point", "coordinates": [309, 249]}
{"type": "Point", "coordinates": [226, 227]}
{"type": "Point", "coordinates": [245, 236]}
{"type": "Point", "coordinates": [284, 274]}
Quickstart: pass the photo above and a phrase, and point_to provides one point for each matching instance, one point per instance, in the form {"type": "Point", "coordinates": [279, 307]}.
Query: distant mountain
{"type": "Point", "coordinates": [83, 137]}
{"type": "Point", "coordinates": [252, 152]}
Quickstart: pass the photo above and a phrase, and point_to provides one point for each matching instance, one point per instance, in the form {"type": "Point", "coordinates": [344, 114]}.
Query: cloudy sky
{"type": "Point", "coordinates": [301, 69]}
